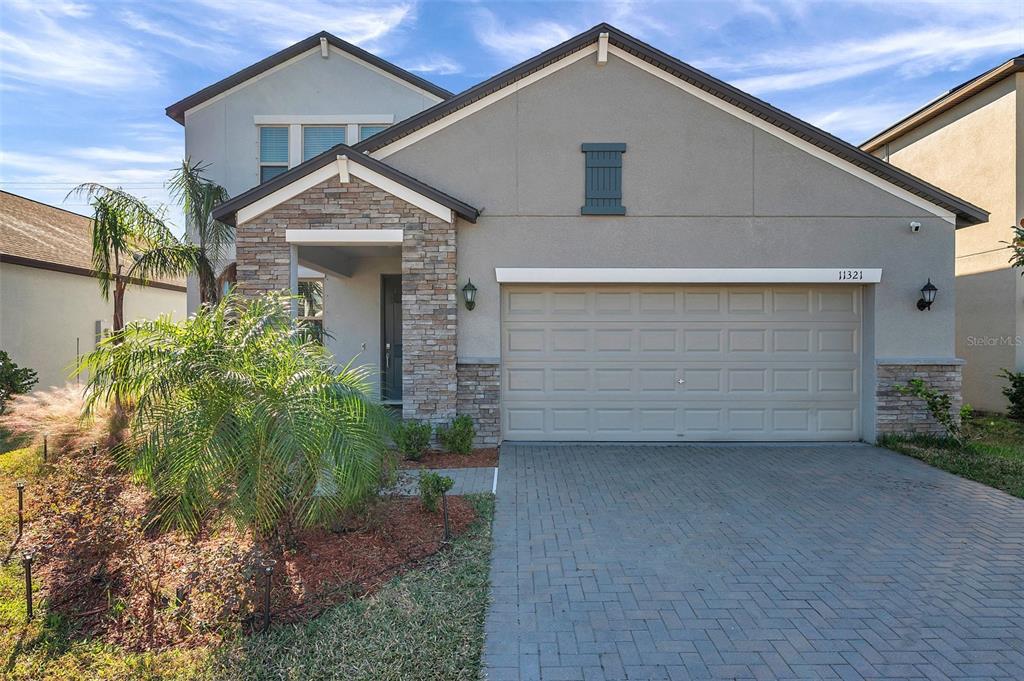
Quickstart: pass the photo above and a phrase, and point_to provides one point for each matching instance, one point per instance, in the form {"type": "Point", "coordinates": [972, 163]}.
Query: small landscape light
{"type": "Point", "coordinates": [20, 485]}
{"type": "Point", "coordinates": [267, 565]}
{"type": "Point", "coordinates": [26, 560]}
{"type": "Point", "coordinates": [46, 436]}
{"type": "Point", "coordinates": [469, 294]}
{"type": "Point", "coordinates": [928, 292]}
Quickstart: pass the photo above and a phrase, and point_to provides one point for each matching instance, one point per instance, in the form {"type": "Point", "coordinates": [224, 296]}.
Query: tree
{"type": "Point", "coordinates": [235, 409]}
{"type": "Point", "coordinates": [198, 197]}
{"type": "Point", "coordinates": [130, 241]}
{"type": "Point", "coordinates": [14, 380]}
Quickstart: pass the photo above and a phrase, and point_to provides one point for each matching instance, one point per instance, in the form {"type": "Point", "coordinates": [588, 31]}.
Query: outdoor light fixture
{"type": "Point", "coordinates": [928, 292]}
{"type": "Point", "coordinates": [469, 294]}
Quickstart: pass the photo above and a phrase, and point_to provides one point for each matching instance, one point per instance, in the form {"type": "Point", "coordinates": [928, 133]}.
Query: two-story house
{"type": "Point", "coordinates": [600, 243]}
{"type": "Point", "coordinates": [970, 140]}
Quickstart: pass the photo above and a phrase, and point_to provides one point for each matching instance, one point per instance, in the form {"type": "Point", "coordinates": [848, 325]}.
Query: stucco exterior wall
{"type": "Point", "coordinates": [974, 151]}
{"type": "Point", "coordinates": [43, 313]}
{"type": "Point", "coordinates": [701, 189]}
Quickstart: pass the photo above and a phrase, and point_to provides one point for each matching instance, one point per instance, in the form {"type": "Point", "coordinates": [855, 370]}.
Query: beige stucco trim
{"type": "Point", "coordinates": [344, 237]}
{"type": "Point", "coordinates": [676, 275]}
{"type": "Point", "coordinates": [343, 167]}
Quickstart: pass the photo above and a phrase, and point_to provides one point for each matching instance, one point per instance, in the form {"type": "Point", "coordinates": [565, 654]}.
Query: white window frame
{"type": "Point", "coordinates": [259, 150]}
{"type": "Point", "coordinates": [323, 305]}
{"type": "Point", "coordinates": [295, 123]}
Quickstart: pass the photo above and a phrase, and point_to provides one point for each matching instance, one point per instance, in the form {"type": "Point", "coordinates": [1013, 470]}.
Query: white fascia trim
{"type": "Point", "coordinates": [401, 191]}
{"type": "Point", "coordinates": [676, 275]}
{"type": "Point", "coordinates": [338, 168]}
{"type": "Point", "coordinates": [483, 103]}
{"type": "Point", "coordinates": [785, 136]}
{"type": "Point", "coordinates": [343, 237]}
{"type": "Point", "coordinates": [289, 191]}
{"type": "Point", "coordinates": [258, 76]}
{"type": "Point", "coordinates": [401, 81]}
{"type": "Point", "coordinates": [324, 119]}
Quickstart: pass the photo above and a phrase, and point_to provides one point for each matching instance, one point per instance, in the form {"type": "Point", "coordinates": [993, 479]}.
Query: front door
{"type": "Point", "coordinates": [391, 337]}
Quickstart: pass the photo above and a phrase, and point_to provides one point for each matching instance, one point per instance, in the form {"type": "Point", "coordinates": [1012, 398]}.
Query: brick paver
{"type": "Point", "coordinates": [750, 562]}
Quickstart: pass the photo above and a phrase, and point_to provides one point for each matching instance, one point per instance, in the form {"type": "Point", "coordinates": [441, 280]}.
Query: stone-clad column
{"type": "Point", "coordinates": [429, 300]}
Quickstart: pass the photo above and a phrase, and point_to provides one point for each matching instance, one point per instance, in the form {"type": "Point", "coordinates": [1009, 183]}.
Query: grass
{"type": "Point", "coordinates": [425, 624]}
{"type": "Point", "coordinates": [993, 455]}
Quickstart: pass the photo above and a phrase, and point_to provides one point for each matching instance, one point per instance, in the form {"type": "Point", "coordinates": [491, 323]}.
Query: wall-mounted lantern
{"type": "Point", "coordinates": [469, 295]}
{"type": "Point", "coordinates": [928, 292]}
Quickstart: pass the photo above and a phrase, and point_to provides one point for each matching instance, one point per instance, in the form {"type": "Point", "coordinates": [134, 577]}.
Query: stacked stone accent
{"type": "Point", "coordinates": [905, 414]}
{"type": "Point", "coordinates": [429, 296]}
{"type": "Point", "coordinates": [479, 393]}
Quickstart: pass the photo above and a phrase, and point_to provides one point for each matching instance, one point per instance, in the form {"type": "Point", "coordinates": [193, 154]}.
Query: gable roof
{"type": "Point", "coordinates": [227, 211]}
{"type": "Point", "coordinates": [966, 212]}
{"type": "Point", "coordinates": [39, 235]}
{"type": "Point", "coordinates": [944, 102]}
{"type": "Point", "coordinates": [178, 109]}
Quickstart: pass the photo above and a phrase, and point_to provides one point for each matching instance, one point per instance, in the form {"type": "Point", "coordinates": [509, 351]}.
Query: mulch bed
{"type": "Point", "coordinates": [330, 566]}
{"type": "Point", "coordinates": [485, 457]}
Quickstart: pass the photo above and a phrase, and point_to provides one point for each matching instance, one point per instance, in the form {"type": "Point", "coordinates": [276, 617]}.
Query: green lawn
{"type": "Point", "coordinates": [993, 456]}
{"type": "Point", "coordinates": [425, 624]}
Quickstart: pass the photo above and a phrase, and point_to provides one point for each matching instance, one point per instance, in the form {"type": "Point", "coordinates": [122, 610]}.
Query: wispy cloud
{"type": "Point", "coordinates": [518, 43]}
{"type": "Point", "coordinates": [281, 24]}
{"type": "Point", "coordinates": [855, 122]}
{"type": "Point", "coordinates": [51, 45]}
{"type": "Point", "coordinates": [438, 64]}
{"type": "Point", "coordinates": [911, 53]}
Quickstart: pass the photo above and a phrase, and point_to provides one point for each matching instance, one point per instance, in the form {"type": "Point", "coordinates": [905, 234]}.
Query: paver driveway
{"type": "Point", "coordinates": [750, 562]}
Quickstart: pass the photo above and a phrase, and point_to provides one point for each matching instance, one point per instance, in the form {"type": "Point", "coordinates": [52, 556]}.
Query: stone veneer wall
{"type": "Point", "coordinates": [479, 393]}
{"type": "Point", "coordinates": [429, 296]}
{"type": "Point", "coordinates": [904, 414]}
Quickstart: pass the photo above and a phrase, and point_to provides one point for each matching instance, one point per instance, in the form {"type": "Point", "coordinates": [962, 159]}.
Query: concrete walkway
{"type": "Point", "coordinates": [750, 562]}
{"type": "Point", "coordinates": [466, 480]}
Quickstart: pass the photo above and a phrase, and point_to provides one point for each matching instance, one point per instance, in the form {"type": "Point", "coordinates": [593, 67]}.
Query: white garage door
{"type": "Point", "coordinates": [614, 362]}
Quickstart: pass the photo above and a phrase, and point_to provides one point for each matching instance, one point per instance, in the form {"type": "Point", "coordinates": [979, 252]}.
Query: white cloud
{"type": "Point", "coordinates": [439, 64]}
{"type": "Point", "coordinates": [911, 53]}
{"type": "Point", "coordinates": [140, 23]}
{"type": "Point", "coordinates": [123, 155]}
{"type": "Point", "coordinates": [46, 44]}
{"type": "Point", "coordinates": [517, 44]}
{"type": "Point", "coordinates": [855, 122]}
{"type": "Point", "coordinates": [281, 24]}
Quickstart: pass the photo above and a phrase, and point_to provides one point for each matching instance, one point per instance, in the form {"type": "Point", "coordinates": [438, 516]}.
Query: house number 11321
{"type": "Point", "coordinates": [850, 275]}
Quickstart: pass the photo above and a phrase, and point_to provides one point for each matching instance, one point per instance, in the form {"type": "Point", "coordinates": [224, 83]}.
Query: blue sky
{"type": "Point", "coordinates": [83, 84]}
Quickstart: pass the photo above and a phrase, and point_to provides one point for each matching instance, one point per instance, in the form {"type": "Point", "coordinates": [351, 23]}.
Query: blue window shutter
{"type": "Point", "coordinates": [320, 138]}
{"type": "Point", "coordinates": [603, 179]}
{"type": "Point", "coordinates": [273, 145]}
{"type": "Point", "coordinates": [369, 131]}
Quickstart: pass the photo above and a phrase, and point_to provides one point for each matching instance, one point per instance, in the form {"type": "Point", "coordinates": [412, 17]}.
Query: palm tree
{"type": "Point", "coordinates": [130, 242]}
{"type": "Point", "coordinates": [198, 197]}
{"type": "Point", "coordinates": [235, 409]}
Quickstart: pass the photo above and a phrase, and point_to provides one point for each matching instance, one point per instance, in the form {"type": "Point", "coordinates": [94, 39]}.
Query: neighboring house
{"type": "Point", "coordinates": [656, 256]}
{"type": "Point", "coordinates": [51, 309]}
{"type": "Point", "coordinates": [971, 142]}
{"type": "Point", "coordinates": [289, 107]}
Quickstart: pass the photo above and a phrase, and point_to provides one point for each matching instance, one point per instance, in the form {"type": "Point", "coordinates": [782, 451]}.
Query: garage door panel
{"type": "Point", "coordinates": [755, 363]}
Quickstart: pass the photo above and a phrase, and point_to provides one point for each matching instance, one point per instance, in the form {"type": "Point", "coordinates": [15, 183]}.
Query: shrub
{"type": "Point", "coordinates": [1014, 393]}
{"type": "Point", "coordinates": [432, 486]}
{"type": "Point", "coordinates": [233, 409]}
{"type": "Point", "coordinates": [458, 435]}
{"type": "Point", "coordinates": [58, 413]}
{"type": "Point", "coordinates": [940, 406]}
{"type": "Point", "coordinates": [412, 438]}
{"type": "Point", "coordinates": [14, 380]}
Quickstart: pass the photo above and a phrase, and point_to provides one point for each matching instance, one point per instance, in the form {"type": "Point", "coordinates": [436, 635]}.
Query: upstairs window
{"type": "Point", "coordinates": [369, 131]}
{"type": "Point", "coordinates": [317, 139]}
{"type": "Point", "coordinates": [603, 179]}
{"type": "Point", "coordinates": [273, 151]}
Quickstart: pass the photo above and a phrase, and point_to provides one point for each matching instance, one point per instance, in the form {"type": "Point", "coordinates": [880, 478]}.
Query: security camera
{"type": "Point", "coordinates": [915, 227]}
